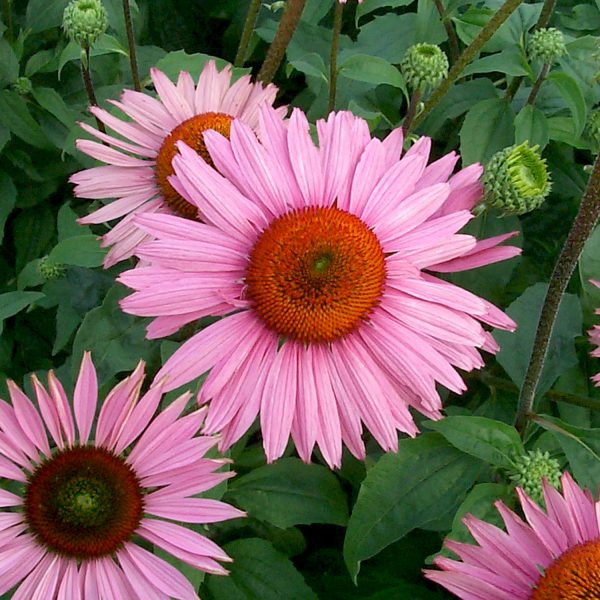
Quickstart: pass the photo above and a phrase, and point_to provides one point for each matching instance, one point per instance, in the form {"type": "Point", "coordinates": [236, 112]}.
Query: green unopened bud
{"type": "Point", "coordinates": [516, 180]}
{"type": "Point", "coordinates": [547, 45]}
{"type": "Point", "coordinates": [85, 21]}
{"type": "Point", "coordinates": [529, 470]}
{"type": "Point", "coordinates": [424, 66]}
{"type": "Point", "coordinates": [22, 86]}
{"type": "Point", "coordinates": [50, 269]}
{"type": "Point", "coordinates": [592, 126]}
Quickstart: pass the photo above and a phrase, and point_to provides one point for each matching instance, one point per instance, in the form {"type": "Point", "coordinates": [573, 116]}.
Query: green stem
{"type": "Point", "coordinates": [335, 43]}
{"type": "Point", "coordinates": [469, 53]}
{"type": "Point", "coordinates": [7, 18]}
{"type": "Point", "coordinates": [283, 35]}
{"type": "Point", "coordinates": [586, 219]}
{"type": "Point", "coordinates": [411, 111]}
{"type": "Point", "coordinates": [247, 33]}
{"type": "Point", "coordinates": [538, 83]}
{"type": "Point", "coordinates": [452, 39]}
{"type": "Point", "coordinates": [89, 86]}
{"type": "Point", "coordinates": [131, 41]}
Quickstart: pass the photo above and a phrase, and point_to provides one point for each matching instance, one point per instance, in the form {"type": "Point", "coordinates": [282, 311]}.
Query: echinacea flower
{"type": "Point", "coordinates": [594, 334]}
{"type": "Point", "coordinates": [79, 503]}
{"type": "Point", "coordinates": [553, 555]}
{"type": "Point", "coordinates": [316, 256]}
{"type": "Point", "coordinates": [138, 164]}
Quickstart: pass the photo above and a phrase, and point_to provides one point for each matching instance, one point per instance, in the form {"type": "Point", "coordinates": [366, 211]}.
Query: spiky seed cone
{"type": "Point", "coordinates": [529, 470]}
{"type": "Point", "coordinates": [85, 21]}
{"type": "Point", "coordinates": [424, 66]}
{"type": "Point", "coordinates": [548, 45]}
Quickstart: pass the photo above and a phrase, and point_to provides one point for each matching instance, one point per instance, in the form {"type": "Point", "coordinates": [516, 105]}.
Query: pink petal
{"type": "Point", "coordinates": [85, 397]}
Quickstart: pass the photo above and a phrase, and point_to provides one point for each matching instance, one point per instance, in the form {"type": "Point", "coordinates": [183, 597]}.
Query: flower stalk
{"type": "Point", "coordinates": [249, 25]}
{"type": "Point", "coordinates": [585, 221]}
{"type": "Point", "coordinates": [335, 43]}
{"type": "Point", "coordinates": [283, 35]}
{"type": "Point", "coordinates": [538, 83]}
{"type": "Point", "coordinates": [469, 53]}
{"type": "Point", "coordinates": [452, 39]}
{"type": "Point", "coordinates": [87, 82]}
{"type": "Point", "coordinates": [131, 41]}
{"type": "Point", "coordinates": [411, 111]}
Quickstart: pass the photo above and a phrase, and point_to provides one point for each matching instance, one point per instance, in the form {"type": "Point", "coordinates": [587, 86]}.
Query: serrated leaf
{"type": "Point", "coordinates": [492, 441]}
{"type": "Point", "coordinates": [573, 97]}
{"type": "Point", "coordinates": [258, 572]}
{"type": "Point", "coordinates": [487, 128]}
{"type": "Point", "coordinates": [426, 479]}
{"type": "Point", "coordinates": [289, 492]}
{"type": "Point", "coordinates": [531, 124]}
{"type": "Point", "coordinates": [515, 348]}
{"type": "Point", "coordinates": [372, 69]}
{"type": "Point", "coordinates": [80, 250]}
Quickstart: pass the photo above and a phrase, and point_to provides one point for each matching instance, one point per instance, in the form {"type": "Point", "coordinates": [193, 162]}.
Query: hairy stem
{"type": "Point", "coordinates": [538, 83]}
{"type": "Point", "coordinates": [411, 111]}
{"type": "Point", "coordinates": [276, 52]}
{"type": "Point", "coordinates": [249, 25]}
{"type": "Point", "coordinates": [452, 39]}
{"type": "Point", "coordinates": [89, 86]}
{"type": "Point", "coordinates": [335, 43]}
{"type": "Point", "coordinates": [586, 219]}
{"type": "Point", "coordinates": [469, 53]}
{"type": "Point", "coordinates": [131, 41]}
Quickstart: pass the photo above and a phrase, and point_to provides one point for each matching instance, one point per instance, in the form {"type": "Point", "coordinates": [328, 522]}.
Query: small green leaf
{"type": "Point", "coordinates": [492, 441]}
{"type": "Point", "coordinates": [510, 62]}
{"type": "Point", "coordinates": [9, 65]}
{"type": "Point", "coordinates": [258, 572]}
{"type": "Point", "coordinates": [289, 492]}
{"type": "Point", "coordinates": [531, 124]}
{"type": "Point", "coordinates": [573, 97]}
{"type": "Point", "coordinates": [33, 229]}
{"type": "Point", "coordinates": [106, 44]}
{"type": "Point", "coordinates": [372, 69]}
{"type": "Point", "coordinates": [427, 479]}
{"type": "Point", "coordinates": [80, 250]}
{"type": "Point", "coordinates": [13, 302]}
{"type": "Point", "coordinates": [311, 64]}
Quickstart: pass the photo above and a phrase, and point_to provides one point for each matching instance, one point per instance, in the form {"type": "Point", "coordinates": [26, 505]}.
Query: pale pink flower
{"type": "Point", "coordinates": [79, 503]}
{"type": "Point", "coordinates": [326, 250]}
{"type": "Point", "coordinates": [138, 163]}
{"type": "Point", "coordinates": [594, 334]}
{"type": "Point", "coordinates": [553, 555]}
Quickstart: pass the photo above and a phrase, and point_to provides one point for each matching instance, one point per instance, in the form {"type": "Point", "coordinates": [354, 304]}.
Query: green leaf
{"type": "Point", "coordinates": [175, 62]}
{"type": "Point", "coordinates": [589, 268]}
{"type": "Point", "coordinates": [515, 348]}
{"type": "Point", "coordinates": [258, 572]}
{"type": "Point", "coordinates": [289, 492]}
{"type": "Point", "coordinates": [33, 230]}
{"type": "Point", "coordinates": [80, 250]}
{"type": "Point", "coordinates": [368, 6]}
{"type": "Point", "coordinates": [15, 115]}
{"type": "Point", "coordinates": [106, 44]}
{"type": "Point", "coordinates": [67, 225]}
{"type": "Point", "coordinates": [510, 61]}
{"type": "Point", "coordinates": [52, 101]}
{"type": "Point", "coordinates": [573, 97]}
{"type": "Point", "coordinates": [9, 65]}
{"type": "Point", "coordinates": [425, 480]}
{"type": "Point", "coordinates": [581, 447]}
{"type": "Point", "coordinates": [8, 197]}
{"type": "Point", "coordinates": [311, 64]}
{"type": "Point", "coordinates": [44, 14]}
{"type": "Point", "coordinates": [492, 441]}
{"type": "Point", "coordinates": [487, 128]}
{"type": "Point", "coordinates": [531, 124]}
{"type": "Point", "coordinates": [13, 302]}
{"type": "Point", "coordinates": [372, 69]}
{"type": "Point", "coordinates": [40, 62]}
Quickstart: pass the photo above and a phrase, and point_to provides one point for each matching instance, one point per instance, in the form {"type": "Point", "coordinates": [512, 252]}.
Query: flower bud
{"type": "Point", "coordinates": [424, 66]}
{"type": "Point", "coordinates": [546, 44]}
{"type": "Point", "coordinates": [50, 269]}
{"type": "Point", "coordinates": [22, 86]}
{"type": "Point", "coordinates": [516, 180]}
{"type": "Point", "coordinates": [85, 21]}
{"type": "Point", "coordinates": [529, 470]}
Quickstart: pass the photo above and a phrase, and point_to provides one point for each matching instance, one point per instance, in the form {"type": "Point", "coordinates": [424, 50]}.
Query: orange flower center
{"type": "Point", "coordinates": [315, 274]}
{"type": "Point", "coordinates": [84, 502]}
{"type": "Point", "coordinates": [192, 133]}
{"type": "Point", "coordinates": [574, 575]}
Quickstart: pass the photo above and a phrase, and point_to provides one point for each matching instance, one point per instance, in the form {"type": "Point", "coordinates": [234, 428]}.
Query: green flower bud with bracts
{"type": "Point", "coordinates": [530, 468]}
{"type": "Point", "coordinates": [50, 269]}
{"type": "Point", "coordinates": [22, 86]}
{"type": "Point", "coordinates": [424, 66]}
{"type": "Point", "coordinates": [547, 45]}
{"type": "Point", "coordinates": [85, 21]}
{"type": "Point", "coordinates": [516, 180]}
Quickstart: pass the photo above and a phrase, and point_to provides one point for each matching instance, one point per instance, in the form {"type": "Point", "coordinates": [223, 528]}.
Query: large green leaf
{"type": "Point", "coordinates": [515, 348]}
{"type": "Point", "coordinates": [33, 230]}
{"type": "Point", "coordinates": [289, 492]}
{"type": "Point", "coordinates": [80, 250]}
{"type": "Point", "coordinates": [13, 302]}
{"type": "Point", "coordinates": [510, 62]}
{"type": "Point", "coordinates": [258, 572]}
{"type": "Point", "coordinates": [9, 65]}
{"type": "Point", "coordinates": [573, 97]}
{"type": "Point", "coordinates": [44, 14]}
{"type": "Point", "coordinates": [426, 479]}
{"type": "Point", "coordinates": [372, 69]}
{"type": "Point", "coordinates": [492, 441]}
{"type": "Point", "coordinates": [531, 125]}
{"type": "Point", "coordinates": [487, 128]}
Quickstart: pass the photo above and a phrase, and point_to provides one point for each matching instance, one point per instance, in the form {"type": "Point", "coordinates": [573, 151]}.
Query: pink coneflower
{"type": "Point", "coordinates": [555, 555]}
{"type": "Point", "coordinates": [317, 256]}
{"type": "Point", "coordinates": [594, 333]}
{"type": "Point", "coordinates": [138, 177]}
{"type": "Point", "coordinates": [69, 530]}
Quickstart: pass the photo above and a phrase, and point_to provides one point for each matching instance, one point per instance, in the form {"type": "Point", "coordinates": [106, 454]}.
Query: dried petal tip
{"type": "Point", "coordinates": [85, 21]}
{"type": "Point", "coordinates": [546, 44]}
{"type": "Point", "coordinates": [424, 66]}
{"type": "Point", "coordinates": [530, 468]}
{"type": "Point", "coordinates": [516, 179]}
{"type": "Point", "coordinates": [50, 269]}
